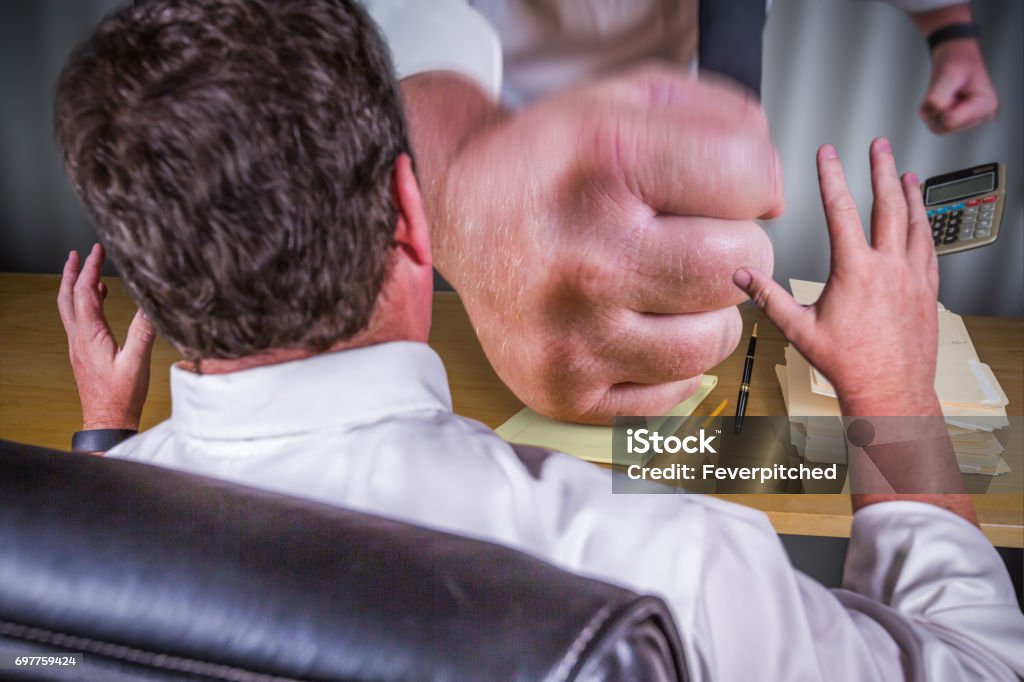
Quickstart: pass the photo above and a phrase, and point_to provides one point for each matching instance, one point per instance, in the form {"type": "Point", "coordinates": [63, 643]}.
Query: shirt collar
{"type": "Point", "coordinates": [323, 391]}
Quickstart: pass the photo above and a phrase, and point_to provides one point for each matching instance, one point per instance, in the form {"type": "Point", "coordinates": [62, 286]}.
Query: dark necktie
{"type": "Point", "coordinates": [730, 39]}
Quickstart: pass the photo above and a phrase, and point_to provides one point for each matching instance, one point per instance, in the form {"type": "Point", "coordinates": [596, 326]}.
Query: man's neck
{"type": "Point", "coordinates": [272, 356]}
{"type": "Point", "coordinates": [402, 313]}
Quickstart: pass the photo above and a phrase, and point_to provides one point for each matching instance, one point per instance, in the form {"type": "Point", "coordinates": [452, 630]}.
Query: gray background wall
{"type": "Point", "coordinates": [844, 72]}
{"type": "Point", "coordinates": [839, 71]}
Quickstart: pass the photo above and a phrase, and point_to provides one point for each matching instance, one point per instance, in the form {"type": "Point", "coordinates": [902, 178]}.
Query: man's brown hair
{"type": "Point", "coordinates": [236, 157]}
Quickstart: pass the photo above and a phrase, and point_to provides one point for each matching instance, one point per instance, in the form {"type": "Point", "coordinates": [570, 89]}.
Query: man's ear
{"type": "Point", "coordinates": [412, 234]}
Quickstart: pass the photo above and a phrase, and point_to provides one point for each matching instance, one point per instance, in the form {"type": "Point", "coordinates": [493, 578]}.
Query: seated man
{"type": "Point", "coordinates": [246, 165]}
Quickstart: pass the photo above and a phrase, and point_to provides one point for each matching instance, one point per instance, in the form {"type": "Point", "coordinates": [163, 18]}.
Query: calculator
{"type": "Point", "coordinates": [965, 207]}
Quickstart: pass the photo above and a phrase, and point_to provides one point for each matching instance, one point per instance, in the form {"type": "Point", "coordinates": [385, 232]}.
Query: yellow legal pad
{"type": "Point", "coordinates": [592, 443]}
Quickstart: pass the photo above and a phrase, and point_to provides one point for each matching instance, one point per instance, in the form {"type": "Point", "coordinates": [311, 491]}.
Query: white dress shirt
{"type": "Point", "coordinates": [926, 596]}
{"type": "Point", "coordinates": [519, 50]}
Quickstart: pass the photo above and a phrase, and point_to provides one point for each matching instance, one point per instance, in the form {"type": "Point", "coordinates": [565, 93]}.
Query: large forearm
{"type": "Point", "coordinates": [445, 112]}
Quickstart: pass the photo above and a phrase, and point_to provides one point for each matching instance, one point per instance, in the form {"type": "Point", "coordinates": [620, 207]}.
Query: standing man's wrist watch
{"type": "Point", "coordinates": [952, 32]}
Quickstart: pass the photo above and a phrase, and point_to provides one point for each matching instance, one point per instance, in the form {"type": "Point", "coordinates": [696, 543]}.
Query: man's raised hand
{"type": "Point", "coordinates": [874, 331]}
{"type": "Point", "coordinates": [112, 381]}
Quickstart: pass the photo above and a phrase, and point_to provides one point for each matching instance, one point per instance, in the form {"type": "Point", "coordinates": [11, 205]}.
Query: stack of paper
{"type": "Point", "coordinates": [972, 400]}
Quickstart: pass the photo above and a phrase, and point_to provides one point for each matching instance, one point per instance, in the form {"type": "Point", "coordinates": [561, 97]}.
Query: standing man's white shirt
{"type": "Point", "coordinates": [371, 429]}
{"type": "Point", "coordinates": [519, 50]}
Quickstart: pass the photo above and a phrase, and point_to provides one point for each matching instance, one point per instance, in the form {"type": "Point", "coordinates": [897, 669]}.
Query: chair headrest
{"type": "Point", "coordinates": [141, 567]}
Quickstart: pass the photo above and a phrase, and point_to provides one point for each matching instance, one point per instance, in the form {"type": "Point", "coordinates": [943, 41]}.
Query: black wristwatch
{"type": "Point", "coordinates": [952, 32]}
{"type": "Point", "coordinates": [99, 440]}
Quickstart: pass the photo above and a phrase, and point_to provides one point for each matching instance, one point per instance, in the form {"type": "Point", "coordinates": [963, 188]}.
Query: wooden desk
{"type": "Point", "coordinates": [38, 402]}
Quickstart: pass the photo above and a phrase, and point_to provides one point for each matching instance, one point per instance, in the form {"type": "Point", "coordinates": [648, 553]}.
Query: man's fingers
{"type": "Point", "coordinates": [920, 245]}
{"type": "Point", "coordinates": [889, 211]}
{"type": "Point", "coordinates": [678, 265]}
{"type": "Point", "coordinates": [66, 293]}
{"type": "Point", "coordinates": [90, 321]}
{"type": "Point", "coordinates": [792, 319]}
{"type": "Point", "coordinates": [777, 204]}
{"type": "Point", "coordinates": [641, 399]}
{"type": "Point", "coordinates": [933, 273]}
{"type": "Point", "coordinates": [86, 289]}
{"type": "Point", "coordinates": [90, 275]}
{"type": "Point", "coordinates": [659, 86]}
{"type": "Point", "coordinates": [844, 228]}
{"type": "Point", "coordinates": [699, 160]}
{"type": "Point", "coordinates": [942, 93]}
{"type": "Point", "coordinates": [687, 166]}
{"type": "Point", "coordinates": [655, 349]}
{"type": "Point", "coordinates": [970, 111]}
{"type": "Point", "coordinates": [138, 344]}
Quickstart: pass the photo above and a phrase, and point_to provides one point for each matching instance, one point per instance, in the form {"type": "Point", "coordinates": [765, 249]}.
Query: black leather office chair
{"type": "Point", "coordinates": [154, 574]}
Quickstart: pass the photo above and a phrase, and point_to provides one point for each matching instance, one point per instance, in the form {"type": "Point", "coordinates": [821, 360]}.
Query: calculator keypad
{"type": "Point", "coordinates": [963, 221]}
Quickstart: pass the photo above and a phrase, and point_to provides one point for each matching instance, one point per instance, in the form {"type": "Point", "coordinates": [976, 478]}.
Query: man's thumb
{"type": "Point", "coordinates": [781, 308]}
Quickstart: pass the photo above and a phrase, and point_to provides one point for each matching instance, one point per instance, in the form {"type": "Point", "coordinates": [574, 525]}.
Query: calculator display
{"type": "Point", "coordinates": [960, 188]}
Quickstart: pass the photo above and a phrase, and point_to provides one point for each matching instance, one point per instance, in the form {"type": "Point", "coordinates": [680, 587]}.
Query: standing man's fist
{"type": "Point", "coordinates": [960, 95]}
{"type": "Point", "coordinates": [592, 237]}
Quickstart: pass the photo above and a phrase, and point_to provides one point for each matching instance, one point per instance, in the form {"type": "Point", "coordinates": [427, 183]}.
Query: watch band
{"type": "Point", "coordinates": [99, 440]}
{"type": "Point", "coordinates": [952, 32]}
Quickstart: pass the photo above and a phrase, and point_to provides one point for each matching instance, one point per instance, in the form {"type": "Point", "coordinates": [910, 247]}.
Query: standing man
{"type": "Point", "coordinates": [589, 199]}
